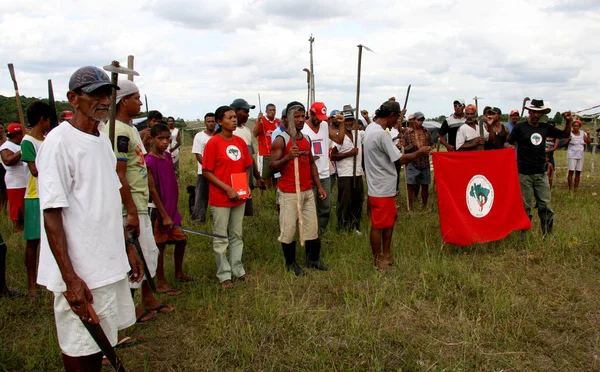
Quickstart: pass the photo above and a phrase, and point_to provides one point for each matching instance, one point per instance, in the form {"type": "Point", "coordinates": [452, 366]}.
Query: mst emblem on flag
{"type": "Point", "coordinates": [480, 196]}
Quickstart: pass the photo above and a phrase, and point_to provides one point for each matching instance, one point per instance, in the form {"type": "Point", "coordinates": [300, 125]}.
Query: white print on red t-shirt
{"type": "Point", "coordinates": [233, 152]}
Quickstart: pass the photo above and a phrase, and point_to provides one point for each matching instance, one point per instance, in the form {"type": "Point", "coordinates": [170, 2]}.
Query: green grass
{"type": "Point", "coordinates": [508, 305]}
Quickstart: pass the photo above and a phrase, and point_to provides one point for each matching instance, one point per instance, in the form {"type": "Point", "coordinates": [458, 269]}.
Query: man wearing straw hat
{"type": "Point", "coordinates": [530, 136]}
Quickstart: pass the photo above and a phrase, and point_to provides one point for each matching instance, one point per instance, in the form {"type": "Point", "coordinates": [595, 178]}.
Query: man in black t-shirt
{"type": "Point", "coordinates": [530, 137]}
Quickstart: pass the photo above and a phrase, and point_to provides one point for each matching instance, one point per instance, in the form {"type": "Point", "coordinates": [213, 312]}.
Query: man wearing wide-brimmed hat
{"type": "Point", "coordinates": [531, 136]}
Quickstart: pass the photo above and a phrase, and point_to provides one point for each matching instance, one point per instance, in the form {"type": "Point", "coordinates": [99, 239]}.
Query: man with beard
{"type": "Point", "coordinates": [242, 112]}
{"type": "Point", "coordinates": [530, 136]}
{"type": "Point", "coordinates": [200, 140]}
{"type": "Point", "coordinates": [283, 154]}
{"type": "Point", "coordinates": [83, 258]}
{"type": "Point", "coordinates": [263, 130]}
{"type": "Point", "coordinates": [451, 125]}
{"type": "Point", "coordinates": [320, 133]}
{"type": "Point", "coordinates": [380, 155]}
{"type": "Point", "coordinates": [468, 137]}
{"type": "Point", "coordinates": [498, 133]}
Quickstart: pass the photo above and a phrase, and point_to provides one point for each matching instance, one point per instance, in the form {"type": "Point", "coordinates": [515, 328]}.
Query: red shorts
{"type": "Point", "coordinates": [16, 203]}
{"type": "Point", "coordinates": [383, 212]}
{"type": "Point", "coordinates": [167, 236]}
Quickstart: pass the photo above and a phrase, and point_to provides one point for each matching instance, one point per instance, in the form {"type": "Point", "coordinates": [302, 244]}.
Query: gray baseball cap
{"type": "Point", "coordinates": [89, 78]}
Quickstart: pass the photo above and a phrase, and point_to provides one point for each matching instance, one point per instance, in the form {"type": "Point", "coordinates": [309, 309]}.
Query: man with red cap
{"type": "Point", "coordinates": [263, 129]}
{"type": "Point", "coordinates": [319, 132]}
{"type": "Point", "coordinates": [17, 174]}
{"type": "Point", "coordinates": [514, 119]}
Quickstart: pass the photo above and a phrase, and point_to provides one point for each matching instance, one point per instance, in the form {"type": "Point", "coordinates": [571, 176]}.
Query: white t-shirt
{"type": "Point", "coordinates": [345, 167]}
{"type": "Point", "coordinates": [394, 132]}
{"type": "Point", "coordinates": [200, 140]}
{"type": "Point", "coordinates": [466, 133]}
{"type": "Point", "coordinates": [174, 153]}
{"type": "Point", "coordinates": [77, 173]}
{"type": "Point", "coordinates": [17, 175]}
{"type": "Point", "coordinates": [245, 133]}
{"type": "Point", "coordinates": [576, 147]}
{"type": "Point", "coordinates": [320, 147]}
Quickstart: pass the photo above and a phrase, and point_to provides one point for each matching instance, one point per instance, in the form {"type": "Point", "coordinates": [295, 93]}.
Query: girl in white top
{"type": "Point", "coordinates": [576, 150]}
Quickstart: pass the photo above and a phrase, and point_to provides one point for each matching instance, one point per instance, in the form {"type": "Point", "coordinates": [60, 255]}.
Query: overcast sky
{"type": "Point", "coordinates": [194, 56]}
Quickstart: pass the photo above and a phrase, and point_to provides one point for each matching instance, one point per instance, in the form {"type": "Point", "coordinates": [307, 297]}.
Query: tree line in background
{"type": "Point", "coordinates": [10, 114]}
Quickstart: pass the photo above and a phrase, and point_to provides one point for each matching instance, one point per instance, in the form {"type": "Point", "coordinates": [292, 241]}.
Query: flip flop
{"type": "Point", "coordinates": [161, 307]}
{"type": "Point", "coordinates": [171, 292]}
{"type": "Point", "coordinates": [144, 317]}
{"type": "Point", "coordinates": [125, 342]}
{"type": "Point", "coordinates": [245, 278]}
{"type": "Point", "coordinates": [226, 284]}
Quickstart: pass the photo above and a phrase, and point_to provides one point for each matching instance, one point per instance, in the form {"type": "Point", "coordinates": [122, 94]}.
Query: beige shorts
{"type": "Point", "coordinates": [148, 245]}
{"type": "Point", "coordinates": [288, 216]}
{"type": "Point", "coordinates": [115, 308]}
{"type": "Point", "coordinates": [575, 164]}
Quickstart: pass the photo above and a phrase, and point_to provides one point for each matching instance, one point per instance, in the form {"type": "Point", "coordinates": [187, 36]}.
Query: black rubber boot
{"type": "Point", "coordinates": [547, 227]}
{"type": "Point", "coordinates": [314, 249]}
{"type": "Point", "coordinates": [306, 253]}
{"type": "Point", "coordinates": [289, 252]}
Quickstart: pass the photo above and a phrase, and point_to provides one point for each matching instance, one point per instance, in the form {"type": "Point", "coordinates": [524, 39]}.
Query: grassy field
{"type": "Point", "coordinates": [509, 305]}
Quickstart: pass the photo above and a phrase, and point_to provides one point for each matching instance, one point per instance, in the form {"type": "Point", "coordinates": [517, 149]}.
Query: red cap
{"type": "Point", "coordinates": [14, 128]}
{"type": "Point", "coordinates": [578, 121]}
{"type": "Point", "coordinates": [512, 112]}
{"type": "Point", "coordinates": [319, 109]}
{"type": "Point", "coordinates": [471, 106]}
{"type": "Point", "coordinates": [67, 115]}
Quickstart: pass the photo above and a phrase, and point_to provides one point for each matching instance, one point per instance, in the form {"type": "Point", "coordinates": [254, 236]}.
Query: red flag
{"type": "Point", "coordinates": [479, 196]}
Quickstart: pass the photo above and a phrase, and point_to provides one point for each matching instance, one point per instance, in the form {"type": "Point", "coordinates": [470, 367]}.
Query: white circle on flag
{"type": "Point", "coordinates": [480, 196]}
{"type": "Point", "coordinates": [233, 152]}
{"type": "Point", "coordinates": [536, 139]}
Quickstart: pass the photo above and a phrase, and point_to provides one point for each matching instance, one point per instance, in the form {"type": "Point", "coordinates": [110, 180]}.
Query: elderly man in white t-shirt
{"type": "Point", "coordinates": [319, 132]}
{"type": "Point", "coordinates": [83, 256]}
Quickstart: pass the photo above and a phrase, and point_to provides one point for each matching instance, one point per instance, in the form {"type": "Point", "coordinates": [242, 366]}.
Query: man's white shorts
{"type": "Point", "coordinates": [576, 164]}
{"type": "Point", "coordinates": [115, 308]}
{"type": "Point", "coordinates": [148, 245]}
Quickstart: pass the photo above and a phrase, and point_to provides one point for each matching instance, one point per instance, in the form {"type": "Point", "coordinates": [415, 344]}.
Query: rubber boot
{"type": "Point", "coordinates": [314, 248]}
{"type": "Point", "coordinates": [306, 254]}
{"type": "Point", "coordinates": [547, 227]}
{"type": "Point", "coordinates": [289, 253]}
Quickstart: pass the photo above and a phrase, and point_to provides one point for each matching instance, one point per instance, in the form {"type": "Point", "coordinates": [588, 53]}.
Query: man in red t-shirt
{"type": "Point", "coordinates": [283, 153]}
{"type": "Point", "coordinates": [263, 128]}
